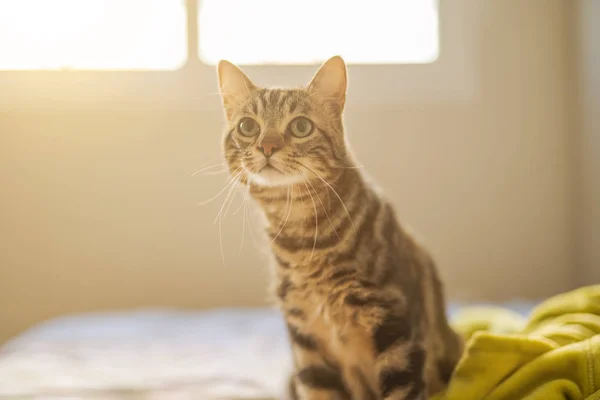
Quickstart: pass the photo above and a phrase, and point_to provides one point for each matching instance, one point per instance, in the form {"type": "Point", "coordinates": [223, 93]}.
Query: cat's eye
{"type": "Point", "coordinates": [301, 127]}
{"type": "Point", "coordinates": [248, 127]}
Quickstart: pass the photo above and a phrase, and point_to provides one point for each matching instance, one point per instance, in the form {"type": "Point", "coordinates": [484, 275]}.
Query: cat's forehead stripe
{"type": "Point", "coordinates": [293, 103]}
{"type": "Point", "coordinates": [276, 103]}
{"type": "Point", "coordinates": [262, 96]}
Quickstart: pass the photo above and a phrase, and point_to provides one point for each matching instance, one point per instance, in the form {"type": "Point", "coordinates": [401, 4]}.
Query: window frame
{"type": "Point", "coordinates": [451, 78]}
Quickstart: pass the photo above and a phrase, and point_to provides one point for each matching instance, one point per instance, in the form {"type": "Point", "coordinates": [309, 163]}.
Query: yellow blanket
{"type": "Point", "coordinates": [555, 355]}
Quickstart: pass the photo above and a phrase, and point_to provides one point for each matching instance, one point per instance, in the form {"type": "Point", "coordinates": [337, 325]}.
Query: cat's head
{"type": "Point", "coordinates": [278, 137]}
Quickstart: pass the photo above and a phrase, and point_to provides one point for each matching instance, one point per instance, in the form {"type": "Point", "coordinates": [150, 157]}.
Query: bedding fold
{"type": "Point", "coordinates": [552, 355]}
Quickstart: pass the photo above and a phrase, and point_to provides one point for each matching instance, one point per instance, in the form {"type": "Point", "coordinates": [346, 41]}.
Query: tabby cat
{"type": "Point", "coordinates": [362, 300]}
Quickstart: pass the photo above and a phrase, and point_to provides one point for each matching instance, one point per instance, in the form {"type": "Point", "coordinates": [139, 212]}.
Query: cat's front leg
{"type": "Point", "coordinates": [398, 354]}
{"type": "Point", "coordinates": [314, 378]}
{"type": "Point", "coordinates": [400, 360]}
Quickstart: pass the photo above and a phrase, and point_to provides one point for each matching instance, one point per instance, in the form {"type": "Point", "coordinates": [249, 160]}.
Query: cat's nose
{"type": "Point", "coordinates": [268, 148]}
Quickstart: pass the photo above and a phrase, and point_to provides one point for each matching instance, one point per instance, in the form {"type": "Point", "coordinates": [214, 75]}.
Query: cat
{"type": "Point", "coordinates": [362, 300]}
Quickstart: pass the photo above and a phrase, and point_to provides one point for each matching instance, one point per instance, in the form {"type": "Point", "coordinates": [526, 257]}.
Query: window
{"type": "Point", "coordinates": [92, 34]}
{"type": "Point", "coordinates": [153, 34]}
{"type": "Point", "coordinates": [398, 37]}
{"type": "Point", "coordinates": [309, 31]}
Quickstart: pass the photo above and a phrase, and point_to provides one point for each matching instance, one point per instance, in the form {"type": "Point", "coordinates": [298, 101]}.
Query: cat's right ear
{"type": "Point", "coordinates": [234, 85]}
{"type": "Point", "coordinates": [331, 81]}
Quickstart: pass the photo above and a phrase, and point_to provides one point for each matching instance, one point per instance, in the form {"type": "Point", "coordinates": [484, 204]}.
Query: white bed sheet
{"type": "Point", "coordinates": [154, 354]}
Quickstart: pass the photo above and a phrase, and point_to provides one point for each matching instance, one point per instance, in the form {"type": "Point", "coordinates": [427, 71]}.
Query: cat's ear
{"type": "Point", "coordinates": [234, 85]}
{"type": "Point", "coordinates": [331, 81]}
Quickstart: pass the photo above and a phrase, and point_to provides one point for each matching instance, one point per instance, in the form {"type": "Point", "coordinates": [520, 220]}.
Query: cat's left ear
{"type": "Point", "coordinates": [234, 85]}
{"type": "Point", "coordinates": [331, 81]}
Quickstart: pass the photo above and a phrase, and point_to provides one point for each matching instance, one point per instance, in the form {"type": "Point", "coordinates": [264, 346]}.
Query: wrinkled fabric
{"type": "Point", "coordinates": [552, 355]}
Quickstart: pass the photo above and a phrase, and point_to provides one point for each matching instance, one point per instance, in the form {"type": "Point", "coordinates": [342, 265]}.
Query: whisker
{"type": "Point", "coordinates": [209, 167]}
{"type": "Point", "coordinates": [232, 187]}
{"type": "Point", "coordinates": [244, 218]}
{"type": "Point", "coordinates": [287, 200]}
{"type": "Point", "coordinates": [288, 213]}
{"type": "Point", "coordinates": [325, 210]}
{"type": "Point", "coordinates": [247, 213]}
{"type": "Point", "coordinates": [217, 172]}
{"type": "Point", "coordinates": [340, 166]}
{"type": "Point", "coordinates": [303, 207]}
{"type": "Point", "coordinates": [244, 198]}
{"type": "Point", "coordinates": [249, 222]}
{"type": "Point", "coordinates": [237, 210]}
{"type": "Point", "coordinates": [227, 183]}
{"type": "Point", "coordinates": [232, 198]}
{"type": "Point", "coordinates": [316, 223]}
{"type": "Point", "coordinates": [336, 193]}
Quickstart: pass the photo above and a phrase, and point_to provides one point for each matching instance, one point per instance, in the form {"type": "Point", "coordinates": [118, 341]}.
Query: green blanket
{"type": "Point", "coordinates": [554, 355]}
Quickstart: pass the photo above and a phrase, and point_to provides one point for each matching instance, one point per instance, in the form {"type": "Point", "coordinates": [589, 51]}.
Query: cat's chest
{"type": "Point", "coordinates": [317, 320]}
{"type": "Point", "coordinates": [309, 306]}
{"type": "Point", "coordinates": [336, 332]}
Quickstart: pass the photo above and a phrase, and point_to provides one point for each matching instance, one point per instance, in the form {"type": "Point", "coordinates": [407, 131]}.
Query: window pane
{"type": "Point", "coordinates": [309, 31]}
{"type": "Point", "coordinates": [92, 34]}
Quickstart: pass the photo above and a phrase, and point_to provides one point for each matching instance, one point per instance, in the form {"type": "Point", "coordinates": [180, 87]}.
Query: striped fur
{"type": "Point", "coordinates": [363, 302]}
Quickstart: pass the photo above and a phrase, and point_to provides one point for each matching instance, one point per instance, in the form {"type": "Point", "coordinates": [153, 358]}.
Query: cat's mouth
{"type": "Point", "coordinates": [269, 168]}
{"type": "Point", "coordinates": [271, 175]}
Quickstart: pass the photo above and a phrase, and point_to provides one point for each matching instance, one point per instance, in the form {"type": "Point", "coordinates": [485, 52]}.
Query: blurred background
{"type": "Point", "coordinates": [479, 118]}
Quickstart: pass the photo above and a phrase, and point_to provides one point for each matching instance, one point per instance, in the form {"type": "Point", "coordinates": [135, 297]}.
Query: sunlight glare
{"type": "Point", "coordinates": [309, 31]}
{"type": "Point", "coordinates": [92, 34]}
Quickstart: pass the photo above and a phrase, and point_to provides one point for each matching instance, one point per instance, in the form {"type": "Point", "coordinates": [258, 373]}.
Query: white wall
{"type": "Point", "coordinates": [98, 206]}
{"type": "Point", "coordinates": [588, 39]}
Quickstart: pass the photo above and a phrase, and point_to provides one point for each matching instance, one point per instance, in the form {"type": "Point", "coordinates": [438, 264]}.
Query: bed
{"type": "Point", "coordinates": [153, 354]}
